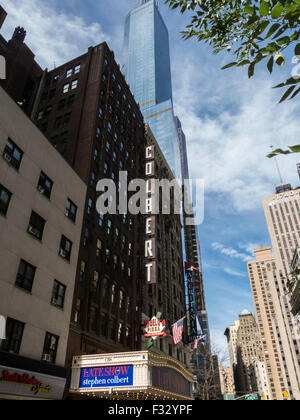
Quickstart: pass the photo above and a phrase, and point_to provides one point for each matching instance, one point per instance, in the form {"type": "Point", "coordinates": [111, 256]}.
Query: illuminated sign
{"type": "Point", "coordinates": [18, 382]}
{"type": "Point", "coordinates": [155, 327]}
{"type": "Point", "coordinates": [105, 377]}
{"type": "Point", "coordinates": [150, 242]}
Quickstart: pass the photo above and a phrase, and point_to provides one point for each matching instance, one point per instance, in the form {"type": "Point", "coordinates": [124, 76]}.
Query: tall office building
{"type": "Point", "coordinates": [282, 212]}
{"type": "Point", "coordinates": [191, 239]}
{"type": "Point", "coordinates": [245, 350]}
{"type": "Point", "coordinates": [263, 275]}
{"type": "Point", "coordinates": [88, 113]}
{"type": "Point", "coordinates": [146, 66]}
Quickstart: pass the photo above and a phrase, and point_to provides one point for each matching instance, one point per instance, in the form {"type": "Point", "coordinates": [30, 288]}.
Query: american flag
{"type": "Point", "coordinates": [177, 331]}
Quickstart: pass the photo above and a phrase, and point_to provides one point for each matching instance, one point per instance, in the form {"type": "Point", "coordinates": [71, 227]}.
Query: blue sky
{"type": "Point", "coordinates": [229, 120]}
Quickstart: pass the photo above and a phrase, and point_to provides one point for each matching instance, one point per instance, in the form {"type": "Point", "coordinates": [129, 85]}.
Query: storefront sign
{"type": "Point", "coordinates": [30, 384]}
{"type": "Point", "coordinates": [155, 327]}
{"type": "Point", "coordinates": [105, 377]}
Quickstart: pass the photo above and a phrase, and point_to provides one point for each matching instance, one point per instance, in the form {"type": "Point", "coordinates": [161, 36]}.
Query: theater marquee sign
{"type": "Point", "coordinates": [132, 375]}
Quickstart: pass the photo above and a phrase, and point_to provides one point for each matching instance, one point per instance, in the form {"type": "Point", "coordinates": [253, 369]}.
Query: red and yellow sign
{"type": "Point", "coordinates": [155, 327]}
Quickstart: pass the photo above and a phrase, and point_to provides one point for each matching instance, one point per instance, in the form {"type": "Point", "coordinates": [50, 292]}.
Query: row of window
{"type": "Point", "coordinates": [14, 335]}
{"type": "Point", "coordinates": [13, 155]}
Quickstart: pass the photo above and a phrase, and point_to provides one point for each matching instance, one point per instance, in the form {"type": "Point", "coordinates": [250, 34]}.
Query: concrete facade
{"type": "Point", "coordinates": [32, 302]}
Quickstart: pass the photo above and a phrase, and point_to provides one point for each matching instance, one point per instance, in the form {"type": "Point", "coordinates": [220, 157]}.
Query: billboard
{"type": "Point", "coordinates": [106, 376]}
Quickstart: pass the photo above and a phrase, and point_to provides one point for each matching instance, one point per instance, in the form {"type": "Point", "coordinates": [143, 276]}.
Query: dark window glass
{"type": "Point", "coordinates": [5, 197]}
{"type": "Point", "coordinates": [14, 334]}
{"type": "Point", "coordinates": [65, 248]}
{"type": "Point", "coordinates": [13, 154]}
{"type": "Point", "coordinates": [104, 324]}
{"type": "Point", "coordinates": [36, 225]}
{"type": "Point", "coordinates": [71, 210]}
{"type": "Point", "coordinates": [25, 275]}
{"type": "Point", "coordinates": [58, 294]}
{"type": "Point", "coordinates": [50, 348]}
{"type": "Point", "coordinates": [45, 185]}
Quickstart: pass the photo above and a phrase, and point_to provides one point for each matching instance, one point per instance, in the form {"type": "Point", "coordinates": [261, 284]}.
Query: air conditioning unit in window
{"type": "Point", "coordinates": [55, 302]}
{"type": "Point", "coordinates": [33, 231]}
{"type": "Point", "coordinates": [67, 212]}
{"type": "Point", "coordinates": [62, 253]}
{"type": "Point", "coordinates": [7, 157]}
{"type": "Point", "coordinates": [41, 189]}
{"type": "Point", "coordinates": [46, 358]}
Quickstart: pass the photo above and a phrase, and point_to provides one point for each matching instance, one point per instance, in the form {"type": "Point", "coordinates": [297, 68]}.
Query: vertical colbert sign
{"type": "Point", "coordinates": [191, 301]}
{"type": "Point", "coordinates": [150, 225]}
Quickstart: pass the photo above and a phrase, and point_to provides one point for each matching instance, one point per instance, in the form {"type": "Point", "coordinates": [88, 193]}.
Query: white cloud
{"type": "Point", "coordinates": [230, 123]}
{"type": "Point", "coordinates": [234, 272]}
{"type": "Point", "coordinates": [231, 252]}
{"type": "Point", "coordinates": [55, 37]}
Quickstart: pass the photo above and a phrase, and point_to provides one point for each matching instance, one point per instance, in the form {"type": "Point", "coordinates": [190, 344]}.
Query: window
{"type": "Point", "coordinates": [93, 178]}
{"type": "Point", "coordinates": [109, 227]}
{"type": "Point", "coordinates": [71, 210]}
{"type": "Point", "coordinates": [74, 84]}
{"type": "Point", "coordinates": [99, 247]}
{"type": "Point", "coordinates": [36, 225]}
{"type": "Point", "coordinates": [66, 88]}
{"type": "Point", "coordinates": [77, 312]}
{"type": "Point", "coordinates": [69, 73]}
{"type": "Point", "coordinates": [77, 69]}
{"type": "Point", "coordinates": [105, 169]}
{"type": "Point", "coordinates": [98, 133]}
{"type": "Point", "coordinates": [58, 294]}
{"type": "Point", "coordinates": [5, 197]}
{"type": "Point", "coordinates": [56, 78]}
{"type": "Point", "coordinates": [14, 334]}
{"type": "Point", "coordinates": [95, 283]}
{"type": "Point", "coordinates": [96, 154]}
{"type": "Point", "coordinates": [107, 146]}
{"type": "Point", "coordinates": [45, 185]}
{"type": "Point", "coordinates": [12, 154]}
{"type": "Point", "coordinates": [90, 206]}
{"type": "Point", "coordinates": [50, 348]}
{"type": "Point", "coordinates": [65, 248]}
{"type": "Point", "coordinates": [25, 276]}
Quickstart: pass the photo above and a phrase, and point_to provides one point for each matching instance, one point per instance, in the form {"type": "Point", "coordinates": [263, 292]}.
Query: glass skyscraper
{"type": "Point", "coordinates": [146, 66]}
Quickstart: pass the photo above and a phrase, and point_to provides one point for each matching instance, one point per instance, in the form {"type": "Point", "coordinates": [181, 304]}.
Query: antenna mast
{"type": "Point", "coordinates": [277, 166]}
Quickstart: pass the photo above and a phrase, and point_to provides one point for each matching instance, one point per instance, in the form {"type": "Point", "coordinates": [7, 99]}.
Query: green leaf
{"type": "Point", "coordinates": [272, 30]}
{"type": "Point", "coordinates": [249, 10]}
{"type": "Point", "coordinates": [295, 93]}
{"type": "Point", "coordinates": [264, 8]}
{"type": "Point", "coordinates": [287, 94]}
{"type": "Point", "coordinates": [229, 65]}
{"type": "Point", "coordinates": [295, 149]}
{"type": "Point", "coordinates": [277, 10]}
{"type": "Point", "coordinates": [251, 70]}
{"type": "Point", "coordinates": [270, 64]}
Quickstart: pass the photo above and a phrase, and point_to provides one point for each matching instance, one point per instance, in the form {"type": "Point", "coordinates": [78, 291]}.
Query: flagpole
{"type": "Point", "coordinates": [181, 319]}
